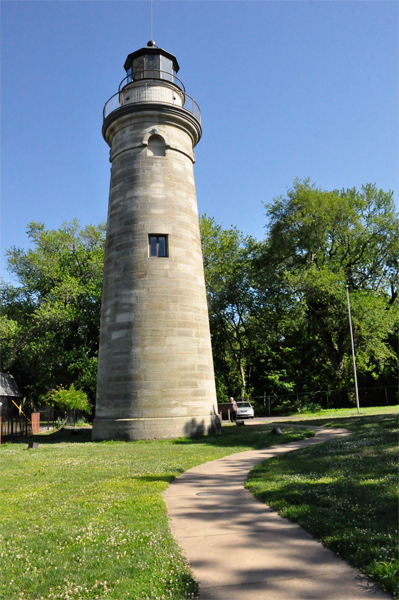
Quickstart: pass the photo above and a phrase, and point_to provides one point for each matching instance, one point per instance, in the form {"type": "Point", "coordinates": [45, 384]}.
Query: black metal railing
{"type": "Point", "coordinates": [15, 427]}
{"type": "Point", "coordinates": [148, 95]}
{"type": "Point", "coordinates": [152, 74]}
{"type": "Point", "coordinates": [50, 415]}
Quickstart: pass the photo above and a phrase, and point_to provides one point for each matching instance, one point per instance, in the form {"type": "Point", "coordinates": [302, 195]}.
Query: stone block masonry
{"type": "Point", "coordinates": [155, 372]}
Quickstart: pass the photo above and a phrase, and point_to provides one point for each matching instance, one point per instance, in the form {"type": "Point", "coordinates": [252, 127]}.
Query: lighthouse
{"type": "Point", "coordinates": [155, 366]}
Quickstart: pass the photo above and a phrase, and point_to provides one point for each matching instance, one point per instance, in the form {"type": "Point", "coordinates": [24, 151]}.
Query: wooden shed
{"type": "Point", "coordinates": [9, 392]}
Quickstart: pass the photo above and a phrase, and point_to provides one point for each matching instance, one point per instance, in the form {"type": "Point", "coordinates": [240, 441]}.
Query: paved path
{"type": "Point", "coordinates": [240, 550]}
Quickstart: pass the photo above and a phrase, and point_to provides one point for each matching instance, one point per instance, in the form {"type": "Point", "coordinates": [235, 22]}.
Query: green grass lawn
{"type": "Point", "coordinates": [344, 492]}
{"type": "Point", "coordinates": [84, 520]}
{"type": "Point", "coordinates": [346, 412]}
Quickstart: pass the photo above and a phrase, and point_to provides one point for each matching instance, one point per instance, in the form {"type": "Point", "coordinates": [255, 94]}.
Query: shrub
{"type": "Point", "coordinates": [309, 407]}
{"type": "Point", "coordinates": [60, 423]}
{"type": "Point", "coordinates": [71, 399]}
{"type": "Point", "coordinates": [82, 423]}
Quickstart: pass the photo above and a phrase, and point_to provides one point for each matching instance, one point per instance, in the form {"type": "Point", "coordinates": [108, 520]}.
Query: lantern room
{"type": "Point", "coordinates": [151, 62]}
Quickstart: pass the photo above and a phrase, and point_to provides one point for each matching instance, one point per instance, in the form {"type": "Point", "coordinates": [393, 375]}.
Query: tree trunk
{"type": "Point", "coordinates": [335, 353]}
{"type": "Point", "coordinates": [243, 386]}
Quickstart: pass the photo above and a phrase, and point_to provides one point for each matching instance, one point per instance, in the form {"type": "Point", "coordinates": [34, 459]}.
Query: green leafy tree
{"type": "Point", "coordinates": [228, 258]}
{"type": "Point", "coordinates": [321, 241]}
{"type": "Point", "coordinates": [50, 320]}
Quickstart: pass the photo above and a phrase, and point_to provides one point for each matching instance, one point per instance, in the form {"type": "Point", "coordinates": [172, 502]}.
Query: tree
{"type": "Point", "coordinates": [228, 258]}
{"type": "Point", "coordinates": [321, 241]}
{"type": "Point", "coordinates": [50, 319]}
{"type": "Point", "coordinates": [260, 338]}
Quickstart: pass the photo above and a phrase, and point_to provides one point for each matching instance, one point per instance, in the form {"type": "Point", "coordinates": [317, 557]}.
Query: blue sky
{"type": "Point", "coordinates": [286, 89]}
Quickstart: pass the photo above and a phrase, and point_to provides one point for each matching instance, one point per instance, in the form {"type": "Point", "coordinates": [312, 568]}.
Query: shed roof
{"type": "Point", "coordinates": [8, 386]}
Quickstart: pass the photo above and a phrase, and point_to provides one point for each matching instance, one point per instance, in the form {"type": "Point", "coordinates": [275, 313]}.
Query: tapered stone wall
{"type": "Point", "coordinates": [155, 372]}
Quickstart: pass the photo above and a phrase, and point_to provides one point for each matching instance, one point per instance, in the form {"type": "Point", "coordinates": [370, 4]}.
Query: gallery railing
{"type": "Point", "coordinates": [150, 93]}
{"type": "Point", "coordinates": [152, 74]}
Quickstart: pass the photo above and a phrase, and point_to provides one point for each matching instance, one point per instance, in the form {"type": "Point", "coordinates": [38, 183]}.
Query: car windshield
{"type": "Point", "coordinates": [243, 405]}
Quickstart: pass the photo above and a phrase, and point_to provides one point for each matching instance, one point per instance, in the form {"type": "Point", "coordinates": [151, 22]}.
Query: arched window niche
{"type": "Point", "coordinates": [156, 146]}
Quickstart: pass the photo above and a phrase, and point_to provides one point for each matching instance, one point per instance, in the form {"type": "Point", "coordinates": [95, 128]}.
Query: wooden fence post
{"type": "Point", "coordinates": [35, 418]}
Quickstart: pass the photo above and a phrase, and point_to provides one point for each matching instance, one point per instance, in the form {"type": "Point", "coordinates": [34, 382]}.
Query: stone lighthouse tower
{"type": "Point", "coordinates": [155, 370]}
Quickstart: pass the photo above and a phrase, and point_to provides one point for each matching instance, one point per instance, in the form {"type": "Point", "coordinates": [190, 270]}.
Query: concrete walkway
{"type": "Point", "coordinates": [240, 550]}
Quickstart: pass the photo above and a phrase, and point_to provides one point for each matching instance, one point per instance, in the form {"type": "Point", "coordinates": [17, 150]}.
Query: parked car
{"type": "Point", "coordinates": [245, 410]}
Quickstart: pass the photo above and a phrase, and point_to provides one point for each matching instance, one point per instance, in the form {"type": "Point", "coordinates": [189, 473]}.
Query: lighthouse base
{"type": "Point", "coordinates": [130, 430]}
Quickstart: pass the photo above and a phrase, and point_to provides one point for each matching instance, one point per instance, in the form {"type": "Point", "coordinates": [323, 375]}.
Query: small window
{"type": "Point", "coordinates": [156, 146]}
{"type": "Point", "coordinates": [158, 245]}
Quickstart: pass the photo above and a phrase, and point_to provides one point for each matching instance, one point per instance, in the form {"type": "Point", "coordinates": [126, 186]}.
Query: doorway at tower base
{"type": "Point", "coordinates": [130, 430]}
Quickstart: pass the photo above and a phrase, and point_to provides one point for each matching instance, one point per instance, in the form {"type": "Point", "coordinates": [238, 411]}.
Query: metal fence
{"type": "Point", "coordinates": [14, 427]}
{"type": "Point", "coordinates": [43, 420]}
{"type": "Point", "coordinates": [152, 74]}
{"type": "Point", "coordinates": [50, 416]}
{"type": "Point", "coordinates": [278, 404]}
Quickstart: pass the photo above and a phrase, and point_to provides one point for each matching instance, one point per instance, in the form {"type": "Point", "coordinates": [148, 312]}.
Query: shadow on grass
{"type": "Point", "coordinates": [79, 436]}
{"type": "Point", "coordinates": [254, 436]}
{"type": "Point", "coordinates": [357, 424]}
{"type": "Point", "coordinates": [332, 501]}
{"type": "Point", "coordinates": [155, 478]}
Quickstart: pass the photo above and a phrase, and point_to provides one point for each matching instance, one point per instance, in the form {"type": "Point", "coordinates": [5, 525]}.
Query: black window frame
{"type": "Point", "coordinates": [158, 246]}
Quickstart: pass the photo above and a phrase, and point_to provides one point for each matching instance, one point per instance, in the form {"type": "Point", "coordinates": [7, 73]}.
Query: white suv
{"type": "Point", "coordinates": [245, 410]}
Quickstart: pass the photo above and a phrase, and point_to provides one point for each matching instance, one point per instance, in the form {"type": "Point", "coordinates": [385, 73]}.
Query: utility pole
{"type": "Point", "coordinates": [353, 351]}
